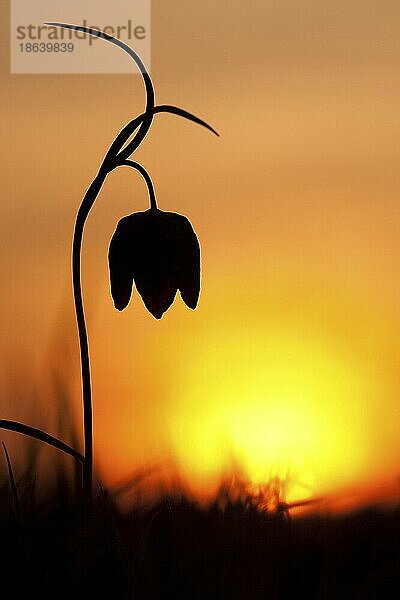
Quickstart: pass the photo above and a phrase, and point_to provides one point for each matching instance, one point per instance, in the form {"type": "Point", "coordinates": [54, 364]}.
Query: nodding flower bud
{"type": "Point", "coordinates": [159, 252]}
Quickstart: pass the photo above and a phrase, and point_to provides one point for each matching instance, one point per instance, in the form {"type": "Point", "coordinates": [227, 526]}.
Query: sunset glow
{"type": "Point", "coordinates": [283, 400]}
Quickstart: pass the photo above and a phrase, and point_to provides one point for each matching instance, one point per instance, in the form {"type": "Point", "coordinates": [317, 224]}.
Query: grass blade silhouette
{"type": "Point", "coordinates": [14, 491]}
{"type": "Point", "coordinates": [42, 436]}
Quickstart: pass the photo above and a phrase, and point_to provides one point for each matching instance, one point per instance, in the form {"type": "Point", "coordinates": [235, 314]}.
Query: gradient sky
{"type": "Point", "coordinates": [291, 361]}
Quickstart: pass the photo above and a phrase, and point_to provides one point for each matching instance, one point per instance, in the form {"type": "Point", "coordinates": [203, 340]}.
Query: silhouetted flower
{"type": "Point", "coordinates": [160, 252]}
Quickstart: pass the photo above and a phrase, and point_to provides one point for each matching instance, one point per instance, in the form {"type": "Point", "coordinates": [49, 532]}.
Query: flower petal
{"type": "Point", "coordinates": [152, 253]}
{"type": "Point", "coordinates": [121, 277]}
{"type": "Point", "coordinates": [188, 262]}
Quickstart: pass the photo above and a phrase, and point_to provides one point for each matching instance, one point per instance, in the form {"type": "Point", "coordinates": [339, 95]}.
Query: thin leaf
{"type": "Point", "coordinates": [40, 435]}
{"type": "Point", "coordinates": [132, 125]}
{"type": "Point", "coordinates": [183, 113]}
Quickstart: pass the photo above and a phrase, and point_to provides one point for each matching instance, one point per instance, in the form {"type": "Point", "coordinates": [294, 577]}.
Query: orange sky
{"type": "Point", "coordinates": [290, 362]}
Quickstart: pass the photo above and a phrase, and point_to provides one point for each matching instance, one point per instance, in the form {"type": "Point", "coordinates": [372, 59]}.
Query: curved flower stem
{"type": "Point", "coordinates": [146, 177]}
{"type": "Point", "coordinates": [82, 215]}
{"type": "Point", "coordinates": [83, 212]}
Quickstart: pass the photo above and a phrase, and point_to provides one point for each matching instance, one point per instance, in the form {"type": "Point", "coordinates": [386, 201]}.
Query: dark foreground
{"type": "Point", "coordinates": [175, 550]}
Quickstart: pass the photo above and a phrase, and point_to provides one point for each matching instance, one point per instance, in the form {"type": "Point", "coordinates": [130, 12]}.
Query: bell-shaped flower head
{"type": "Point", "coordinates": [160, 253]}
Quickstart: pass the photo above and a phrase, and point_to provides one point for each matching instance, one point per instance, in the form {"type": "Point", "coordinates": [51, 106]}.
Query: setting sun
{"type": "Point", "coordinates": [286, 396]}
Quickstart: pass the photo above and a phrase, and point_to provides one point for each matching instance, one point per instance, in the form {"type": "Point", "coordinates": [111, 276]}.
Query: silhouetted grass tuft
{"type": "Point", "coordinates": [174, 549]}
